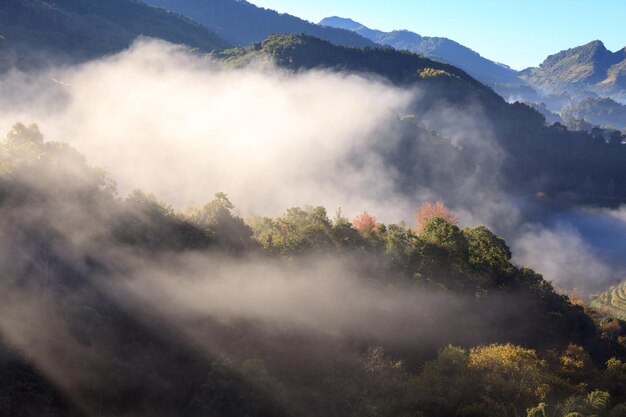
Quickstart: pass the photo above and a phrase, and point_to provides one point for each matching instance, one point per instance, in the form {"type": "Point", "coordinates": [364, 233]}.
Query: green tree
{"type": "Point", "coordinates": [449, 237]}
{"type": "Point", "coordinates": [486, 250]}
{"type": "Point", "coordinates": [218, 217]}
{"type": "Point", "coordinates": [445, 384]}
{"type": "Point", "coordinates": [23, 144]}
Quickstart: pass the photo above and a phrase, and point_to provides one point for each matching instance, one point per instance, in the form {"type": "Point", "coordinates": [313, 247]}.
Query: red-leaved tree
{"type": "Point", "coordinates": [364, 223]}
{"type": "Point", "coordinates": [428, 211]}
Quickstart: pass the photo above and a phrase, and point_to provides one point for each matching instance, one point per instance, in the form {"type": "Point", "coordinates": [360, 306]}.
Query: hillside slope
{"type": "Point", "coordinates": [83, 29]}
{"type": "Point", "coordinates": [243, 23]}
{"type": "Point", "coordinates": [128, 308]}
{"type": "Point", "coordinates": [600, 112]}
{"type": "Point", "coordinates": [612, 301]}
{"type": "Point", "coordinates": [591, 66]}
{"type": "Point", "coordinates": [301, 52]}
{"type": "Point", "coordinates": [438, 48]}
{"type": "Point", "coordinates": [536, 160]}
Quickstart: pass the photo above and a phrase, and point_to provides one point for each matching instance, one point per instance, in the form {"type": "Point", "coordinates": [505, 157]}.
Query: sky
{"type": "Point", "coordinates": [517, 33]}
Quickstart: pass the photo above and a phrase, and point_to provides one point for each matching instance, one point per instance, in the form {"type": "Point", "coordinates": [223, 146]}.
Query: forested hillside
{"type": "Point", "coordinates": [568, 167]}
{"type": "Point", "coordinates": [80, 29]}
{"type": "Point", "coordinates": [117, 305]}
{"type": "Point", "coordinates": [251, 215]}
{"type": "Point", "coordinates": [600, 112]}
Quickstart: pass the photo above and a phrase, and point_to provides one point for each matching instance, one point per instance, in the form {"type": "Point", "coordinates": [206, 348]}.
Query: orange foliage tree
{"type": "Point", "coordinates": [428, 211]}
{"type": "Point", "coordinates": [364, 223]}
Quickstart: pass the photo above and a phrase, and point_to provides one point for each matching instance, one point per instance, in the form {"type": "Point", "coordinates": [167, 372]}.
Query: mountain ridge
{"type": "Point", "coordinates": [243, 23]}
{"type": "Point", "coordinates": [439, 48]}
{"type": "Point", "coordinates": [590, 66]}
{"type": "Point", "coordinates": [537, 163]}
{"type": "Point", "coordinates": [78, 30]}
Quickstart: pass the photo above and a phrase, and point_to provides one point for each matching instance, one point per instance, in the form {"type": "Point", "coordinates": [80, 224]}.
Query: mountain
{"type": "Point", "coordinates": [243, 23]}
{"type": "Point", "coordinates": [598, 111]}
{"type": "Point", "coordinates": [536, 161]}
{"type": "Point", "coordinates": [83, 29]}
{"type": "Point", "coordinates": [441, 49]}
{"type": "Point", "coordinates": [302, 52]}
{"type": "Point", "coordinates": [589, 67]}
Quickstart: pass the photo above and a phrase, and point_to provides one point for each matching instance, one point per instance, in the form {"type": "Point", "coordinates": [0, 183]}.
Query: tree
{"type": "Point", "coordinates": [445, 383]}
{"type": "Point", "coordinates": [486, 249]}
{"type": "Point", "coordinates": [23, 144]}
{"type": "Point", "coordinates": [611, 328]}
{"type": "Point", "coordinates": [403, 248]}
{"type": "Point", "coordinates": [217, 216]}
{"type": "Point", "coordinates": [510, 375]}
{"type": "Point", "coordinates": [577, 367]}
{"type": "Point", "coordinates": [428, 211]}
{"type": "Point", "coordinates": [439, 232]}
{"type": "Point", "coordinates": [364, 223]}
{"type": "Point", "coordinates": [615, 375]}
{"type": "Point", "coordinates": [299, 230]}
{"type": "Point", "coordinates": [345, 235]}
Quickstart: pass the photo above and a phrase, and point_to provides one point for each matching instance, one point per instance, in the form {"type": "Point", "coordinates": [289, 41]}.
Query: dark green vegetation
{"type": "Point", "coordinates": [598, 111]}
{"type": "Point", "coordinates": [588, 67]}
{"type": "Point", "coordinates": [568, 167]}
{"type": "Point", "coordinates": [81, 29]}
{"type": "Point", "coordinates": [71, 345]}
{"type": "Point", "coordinates": [440, 49]}
{"type": "Point", "coordinates": [301, 52]}
{"type": "Point", "coordinates": [243, 23]}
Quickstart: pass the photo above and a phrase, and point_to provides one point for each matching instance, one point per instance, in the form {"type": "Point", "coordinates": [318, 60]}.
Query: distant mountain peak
{"type": "Point", "coordinates": [441, 49]}
{"type": "Point", "coordinates": [590, 66]}
{"type": "Point", "coordinates": [596, 43]}
{"type": "Point", "coordinates": [341, 23]}
{"type": "Point", "coordinates": [242, 23]}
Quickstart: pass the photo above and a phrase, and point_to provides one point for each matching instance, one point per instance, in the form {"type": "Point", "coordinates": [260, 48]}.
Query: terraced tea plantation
{"type": "Point", "coordinates": [613, 301]}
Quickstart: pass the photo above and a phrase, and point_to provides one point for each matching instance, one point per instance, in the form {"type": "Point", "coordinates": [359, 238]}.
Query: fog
{"type": "Point", "coordinates": [170, 122]}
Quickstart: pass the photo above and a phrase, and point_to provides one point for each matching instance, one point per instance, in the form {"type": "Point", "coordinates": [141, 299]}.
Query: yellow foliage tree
{"type": "Point", "coordinates": [510, 375]}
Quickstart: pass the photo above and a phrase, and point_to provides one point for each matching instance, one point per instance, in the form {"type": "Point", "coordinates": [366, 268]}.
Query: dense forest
{"type": "Point", "coordinates": [123, 306]}
{"type": "Point", "coordinates": [44, 32]}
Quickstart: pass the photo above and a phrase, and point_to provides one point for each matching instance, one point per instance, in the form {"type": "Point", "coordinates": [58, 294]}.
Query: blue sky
{"type": "Point", "coordinates": [517, 33]}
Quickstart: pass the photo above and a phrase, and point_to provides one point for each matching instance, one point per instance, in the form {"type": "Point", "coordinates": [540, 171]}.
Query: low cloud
{"type": "Point", "coordinates": [564, 258]}
{"type": "Point", "coordinates": [180, 126]}
{"type": "Point", "coordinates": [160, 118]}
